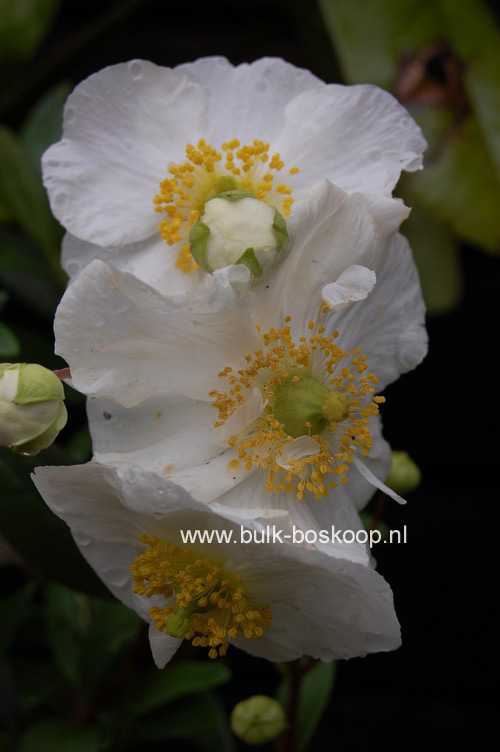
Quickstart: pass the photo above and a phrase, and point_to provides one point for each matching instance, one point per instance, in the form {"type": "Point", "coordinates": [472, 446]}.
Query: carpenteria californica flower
{"type": "Point", "coordinates": [256, 398]}
{"type": "Point", "coordinates": [144, 148]}
{"type": "Point", "coordinates": [275, 601]}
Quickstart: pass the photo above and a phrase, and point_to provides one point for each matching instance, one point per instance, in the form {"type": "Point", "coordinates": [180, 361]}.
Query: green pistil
{"type": "Point", "coordinates": [298, 406]}
{"type": "Point", "coordinates": [305, 406]}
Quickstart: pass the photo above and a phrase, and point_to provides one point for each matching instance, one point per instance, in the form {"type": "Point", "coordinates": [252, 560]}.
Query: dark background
{"type": "Point", "coordinates": [436, 690]}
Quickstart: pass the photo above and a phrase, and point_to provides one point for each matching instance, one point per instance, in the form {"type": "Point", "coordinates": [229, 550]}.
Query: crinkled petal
{"type": "Point", "coordinates": [302, 446]}
{"type": "Point", "coordinates": [124, 341]}
{"type": "Point", "coordinates": [389, 326]}
{"type": "Point", "coordinates": [355, 284]}
{"type": "Point", "coordinates": [330, 231]}
{"type": "Point", "coordinates": [122, 127]}
{"type": "Point", "coordinates": [247, 101]}
{"type": "Point", "coordinates": [359, 137]}
{"type": "Point", "coordinates": [152, 261]}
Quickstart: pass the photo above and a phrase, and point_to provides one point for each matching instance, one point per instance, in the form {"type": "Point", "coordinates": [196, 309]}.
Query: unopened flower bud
{"type": "Point", "coordinates": [258, 720]}
{"type": "Point", "coordinates": [237, 228]}
{"type": "Point", "coordinates": [405, 475]}
{"type": "Point", "coordinates": [32, 410]}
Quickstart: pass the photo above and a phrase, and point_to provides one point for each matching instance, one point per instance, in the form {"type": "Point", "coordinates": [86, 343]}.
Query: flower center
{"type": "Point", "coordinates": [317, 400]}
{"type": "Point", "coordinates": [207, 605]}
{"type": "Point", "coordinates": [207, 173]}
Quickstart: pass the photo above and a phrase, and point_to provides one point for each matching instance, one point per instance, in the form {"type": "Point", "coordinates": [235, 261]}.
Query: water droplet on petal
{"type": "Point", "coordinates": [136, 70]}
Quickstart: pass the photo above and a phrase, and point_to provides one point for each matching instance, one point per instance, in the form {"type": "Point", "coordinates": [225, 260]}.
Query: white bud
{"type": "Point", "coordinates": [238, 229]}
{"type": "Point", "coordinates": [32, 410]}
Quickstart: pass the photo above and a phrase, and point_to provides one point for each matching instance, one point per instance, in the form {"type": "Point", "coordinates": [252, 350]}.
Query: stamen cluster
{"type": "Point", "coordinates": [191, 184]}
{"type": "Point", "coordinates": [215, 605]}
{"type": "Point", "coordinates": [263, 442]}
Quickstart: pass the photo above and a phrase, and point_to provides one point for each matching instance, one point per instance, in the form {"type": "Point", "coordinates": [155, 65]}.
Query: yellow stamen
{"type": "Point", "coordinates": [190, 185]}
{"type": "Point", "coordinates": [207, 605]}
{"type": "Point", "coordinates": [346, 409]}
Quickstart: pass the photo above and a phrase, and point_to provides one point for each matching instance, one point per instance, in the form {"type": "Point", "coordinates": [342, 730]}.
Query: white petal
{"type": "Point", "coordinates": [371, 478]}
{"type": "Point", "coordinates": [242, 417]}
{"type": "Point", "coordinates": [302, 446]}
{"type": "Point", "coordinates": [163, 647]}
{"type": "Point", "coordinates": [357, 136]}
{"type": "Point", "coordinates": [122, 127]}
{"type": "Point", "coordinates": [389, 326]}
{"type": "Point", "coordinates": [124, 341]}
{"type": "Point", "coordinates": [247, 101]}
{"type": "Point", "coordinates": [326, 606]}
{"type": "Point", "coordinates": [323, 606]}
{"type": "Point", "coordinates": [171, 436]}
{"type": "Point", "coordinates": [152, 261]}
{"type": "Point", "coordinates": [356, 283]}
{"type": "Point", "coordinates": [330, 231]}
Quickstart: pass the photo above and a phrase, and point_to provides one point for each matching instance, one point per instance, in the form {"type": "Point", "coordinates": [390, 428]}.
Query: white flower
{"type": "Point", "coordinates": [178, 364]}
{"type": "Point", "coordinates": [144, 146]}
{"type": "Point", "coordinates": [277, 601]}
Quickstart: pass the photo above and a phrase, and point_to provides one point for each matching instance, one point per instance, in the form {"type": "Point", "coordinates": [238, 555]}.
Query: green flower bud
{"type": "Point", "coordinates": [32, 410]}
{"type": "Point", "coordinates": [236, 228]}
{"type": "Point", "coordinates": [258, 720]}
{"type": "Point", "coordinates": [405, 475]}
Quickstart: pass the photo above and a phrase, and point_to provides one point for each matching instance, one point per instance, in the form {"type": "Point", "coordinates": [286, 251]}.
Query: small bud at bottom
{"type": "Point", "coordinates": [258, 720]}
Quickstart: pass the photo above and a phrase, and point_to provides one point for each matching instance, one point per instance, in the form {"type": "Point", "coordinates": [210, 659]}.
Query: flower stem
{"type": "Point", "coordinates": [298, 669]}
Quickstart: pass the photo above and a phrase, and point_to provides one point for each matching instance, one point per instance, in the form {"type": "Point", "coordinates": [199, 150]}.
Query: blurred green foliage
{"type": "Point", "coordinates": [442, 60]}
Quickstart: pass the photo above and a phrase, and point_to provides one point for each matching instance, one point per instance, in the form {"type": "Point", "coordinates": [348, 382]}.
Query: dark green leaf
{"type": "Point", "coordinates": [437, 257]}
{"type": "Point", "coordinates": [54, 735]}
{"type": "Point", "coordinates": [183, 719]}
{"type": "Point", "coordinates": [472, 32]}
{"type": "Point", "coordinates": [13, 612]}
{"type": "Point", "coordinates": [460, 187]}
{"type": "Point", "coordinates": [111, 627]}
{"type": "Point", "coordinates": [370, 36]}
{"type": "Point", "coordinates": [38, 535]}
{"type": "Point", "coordinates": [315, 692]}
{"type": "Point", "coordinates": [9, 344]}
{"type": "Point", "coordinates": [21, 191]}
{"type": "Point", "coordinates": [64, 631]}
{"type": "Point", "coordinates": [27, 274]}
{"type": "Point", "coordinates": [186, 678]}
{"type": "Point", "coordinates": [43, 126]}
{"type": "Point", "coordinates": [23, 24]}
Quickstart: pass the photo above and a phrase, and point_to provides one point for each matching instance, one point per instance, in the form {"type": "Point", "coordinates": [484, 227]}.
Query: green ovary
{"type": "Point", "coordinates": [305, 406]}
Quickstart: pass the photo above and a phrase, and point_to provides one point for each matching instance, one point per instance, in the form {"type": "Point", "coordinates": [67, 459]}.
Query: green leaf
{"type": "Point", "coordinates": [111, 628]}
{"type": "Point", "coordinates": [370, 36]}
{"type": "Point", "coordinates": [13, 612]}
{"type": "Point", "coordinates": [186, 678]}
{"type": "Point", "coordinates": [315, 692]}
{"type": "Point", "coordinates": [23, 24]}
{"type": "Point", "coordinates": [437, 258]}
{"type": "Point", "coordinates": [55, 735]}
{"type": "Point", "coordinates": [43, 126]}
{"type": "Point", "coordinates": [25, 272]}
{"type": "Point", "coordinates": [64, 631]}
{"type": "Point", "coordinates": [21, 191]}
{"type": "Point", "coordinates": [460, 187]}
{"type": "Point", "coordinates": [472, 32]}
{"type": "Point", "coordinates": [183, 719]}
{"type": "Point", "coordinates": [34, 532]}
{"type": "Point", "coordinates": [9, 344]}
